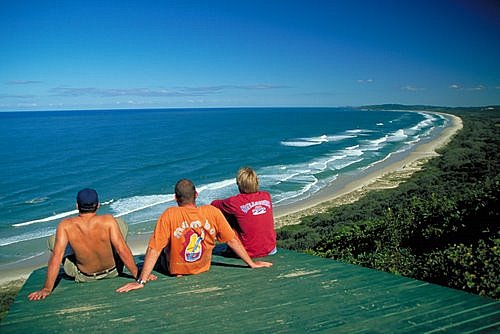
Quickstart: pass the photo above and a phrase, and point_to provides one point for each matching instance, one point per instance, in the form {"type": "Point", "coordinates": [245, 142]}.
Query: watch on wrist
{"type": "Point", "coordinates": [140, 281]}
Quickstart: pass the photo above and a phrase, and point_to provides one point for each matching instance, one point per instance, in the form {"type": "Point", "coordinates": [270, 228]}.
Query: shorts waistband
{"type": "Point", "coordinates": [107, 271]}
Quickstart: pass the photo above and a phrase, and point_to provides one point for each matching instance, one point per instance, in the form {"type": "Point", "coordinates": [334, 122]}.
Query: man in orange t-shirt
{"type": "Point", "coordinates": [185, 236]}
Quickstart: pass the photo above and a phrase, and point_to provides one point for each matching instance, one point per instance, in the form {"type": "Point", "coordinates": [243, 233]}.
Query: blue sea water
{"type": "Point", "coordinates": [134, 157]}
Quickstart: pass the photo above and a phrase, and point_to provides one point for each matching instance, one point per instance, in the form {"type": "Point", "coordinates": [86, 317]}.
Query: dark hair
{"type": "Point", "coordinates": [185, 191]}
{"type": "Point", "coordinates": [87, 209]}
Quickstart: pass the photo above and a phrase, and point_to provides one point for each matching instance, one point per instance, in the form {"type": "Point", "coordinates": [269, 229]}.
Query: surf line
{"type": "Point", "coordinates": [47, 219]}
{"type": "Point", "coordinates": [144, 207]}
{"type": "Point", "coordinates": [54, 217]}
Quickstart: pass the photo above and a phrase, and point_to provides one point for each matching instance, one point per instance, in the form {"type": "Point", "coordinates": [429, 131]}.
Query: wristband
{"type": "Point", "coordinates": [140, 281]}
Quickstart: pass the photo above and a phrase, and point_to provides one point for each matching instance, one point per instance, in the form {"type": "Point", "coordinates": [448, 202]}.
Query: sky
{"type": "Point", "coordinates": [119, 54]}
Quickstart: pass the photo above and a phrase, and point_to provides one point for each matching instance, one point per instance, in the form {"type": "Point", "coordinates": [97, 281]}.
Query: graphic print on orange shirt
{"type": "Point", "coordinates": [193, 246]}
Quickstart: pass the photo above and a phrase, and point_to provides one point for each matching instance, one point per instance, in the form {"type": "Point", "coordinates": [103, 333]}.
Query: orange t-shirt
{"type": "Point", "coordinates": [188, 234]}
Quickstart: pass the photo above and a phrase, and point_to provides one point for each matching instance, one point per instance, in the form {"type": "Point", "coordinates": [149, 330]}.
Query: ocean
{"type": "Point", "coordinates": [133, 158]}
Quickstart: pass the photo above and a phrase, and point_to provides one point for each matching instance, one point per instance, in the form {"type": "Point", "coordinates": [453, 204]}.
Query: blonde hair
{"type": "Point", "coordinates": [247, 180]}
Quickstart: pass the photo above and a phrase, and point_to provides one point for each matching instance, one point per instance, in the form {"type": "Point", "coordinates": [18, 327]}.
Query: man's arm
{"type": "Point", "coordinates": [223, 205]}
{"type": "Point", "coordinates": [149, 263]}
{"type": "Point", "coordinates": [53, 266]}
{"type": "Point", "coordinates": [122, 249]}
{"type": "Point", "coordinates": [238, 248]}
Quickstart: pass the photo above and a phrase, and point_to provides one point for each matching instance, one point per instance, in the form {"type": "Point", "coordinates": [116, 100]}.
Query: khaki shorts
{"type": "Point", "coordinates": [81, 277]}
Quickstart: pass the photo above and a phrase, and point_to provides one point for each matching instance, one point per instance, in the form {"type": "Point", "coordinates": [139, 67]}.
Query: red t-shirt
{"type": "Point", "coordinates": [255, 222]}
{"type": "Point", "coordinates": [188, 235]}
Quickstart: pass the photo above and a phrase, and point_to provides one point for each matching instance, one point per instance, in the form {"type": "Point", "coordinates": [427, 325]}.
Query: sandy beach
{"type": "Point", "coordinates": [383, 175]}
{"type": "Point", "coordinates": [386, 174]}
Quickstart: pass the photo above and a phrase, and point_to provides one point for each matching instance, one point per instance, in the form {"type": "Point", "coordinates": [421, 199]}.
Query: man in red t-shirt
{"type": "Point", "coordinates": [251, 214]}
{"type": "Point", "coordinates": [185, 235]}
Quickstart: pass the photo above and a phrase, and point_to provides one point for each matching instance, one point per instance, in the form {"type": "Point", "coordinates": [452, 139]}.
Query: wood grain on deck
{"type": "Point", "coordinates": [300, 293]}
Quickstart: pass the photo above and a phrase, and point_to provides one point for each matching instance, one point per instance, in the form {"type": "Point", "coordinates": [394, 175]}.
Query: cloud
{"type": "Point", "coordinates": [470, 89]}
{"type": "Point", "coordinates": [410, 88]}
{"type": "Point", "coordinates": [160, 92]}
{"type": "Point", "coordinates": [22, 82]}
{"type": "Point", "coordinates": [363, 81]}
{"type": "Point", "coordinates": [27, 105]}
{"type": "Point", "coordinates": [218, 88]}
{"type": "Point", "coordinates": [112, 92]}
{"type": "Point", "coordinates": [323, 93]}
{"type": "Point", "coordinates": [477, 88]}
{"type": "Point", "coordinates": [17, 96]}
{"type": "Point", "coordinates": [264, 86]}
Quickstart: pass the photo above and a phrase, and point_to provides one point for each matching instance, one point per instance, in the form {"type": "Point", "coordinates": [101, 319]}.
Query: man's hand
{"type": "Point", "coordinates": [261, 264]}
{"type": "Point", "coordinates": [40, 294]}
{"type": "Point", "coordinates": [236, 245]}
{"type": "Point", "coordinates": [129, 287]}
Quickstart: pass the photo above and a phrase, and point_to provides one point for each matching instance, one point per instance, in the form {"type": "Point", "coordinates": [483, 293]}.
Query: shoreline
{"type": "Point", "coordinates": [382, 175]}
{"type": "Point", "coordinates": [346, 189]}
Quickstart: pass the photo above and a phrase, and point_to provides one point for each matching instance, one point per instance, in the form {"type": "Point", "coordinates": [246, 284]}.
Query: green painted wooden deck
{"type": "Point", "coordinates": [300, 293]}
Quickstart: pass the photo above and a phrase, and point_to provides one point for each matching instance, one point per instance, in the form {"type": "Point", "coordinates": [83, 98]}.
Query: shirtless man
{"type": "Point", "coordinates": [93, 240]}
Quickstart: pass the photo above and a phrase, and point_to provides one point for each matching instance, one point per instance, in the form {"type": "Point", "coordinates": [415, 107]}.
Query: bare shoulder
{"type": "Point", "coordinates": [107, 219]}
{"type": "Point", "coordinates": [65, 223]}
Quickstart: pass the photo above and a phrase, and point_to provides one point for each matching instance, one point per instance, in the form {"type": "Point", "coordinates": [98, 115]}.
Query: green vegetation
{"type": "Point", "coordinates": [440, 226]}
{"type": "Point", "coordinates": [8, 293]}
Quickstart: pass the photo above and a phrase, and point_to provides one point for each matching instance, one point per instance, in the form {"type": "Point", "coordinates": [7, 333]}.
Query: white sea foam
{"type": "Point", "coordinates": [378, 140]}
{"type": "Point", "coordinates": [374, 144]}
{"type": "Point", "coordinates": [47, 219]}
{"type": "Point", "coordinates": [129, 205]}
{"type": "Point", "coordinates": [287, 177]}
{"type": "Point", "coordinates": [120, 207]}
{"type": "Point", "coordinates": [348, 163]}
{"type": "Point", "coordinates": [216, 185]}
{"type": "Point", "coordinates": [322, 138]}
{"type": "Point", "coordinates": [376, 162]}
{"type": "Point", "coordinates": [135, 204]}
{"type": "Point", "coordinates": [300, 143]}
{"type": "Point", "coordinates": [27, 258]}
{"type": "Point", "coordinates": [427, 122]}
{"type": "Point", "coordinates": [26, 236]}
{"type": "Point", "coordinates": [340, 137]}
{"type": "Point", "coordinates": [357, 131]}
{"type": "Point", "coordinates": [396, 136]}
{"type": "Point", "coordinates": [55, 216]}
{"type": "Point", "coordinates": [307, 181]}
{"type": "Point", "coordinates": [312, 141]}
{"type": "Point", "coordinates": [37, 200]}
{"type": "Point", "coordinates": [304, 142]}
{"type": "Point", "coordinates": [304, 178]}
{"type": "Point", "coordinates": [353, 151]}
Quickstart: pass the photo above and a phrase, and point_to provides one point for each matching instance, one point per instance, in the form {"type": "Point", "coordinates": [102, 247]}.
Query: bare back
{"type": "Point", "coordinates": [91, 237]}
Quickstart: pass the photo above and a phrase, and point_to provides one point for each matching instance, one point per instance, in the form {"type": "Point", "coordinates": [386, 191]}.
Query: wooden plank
{"type": "Point", "coordinates": [299, 293]}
